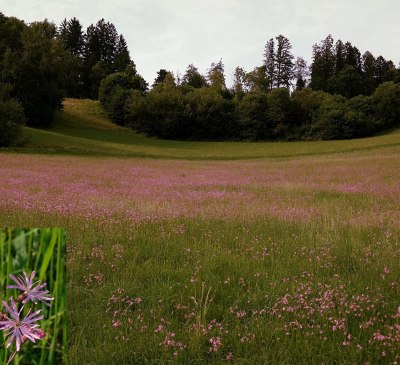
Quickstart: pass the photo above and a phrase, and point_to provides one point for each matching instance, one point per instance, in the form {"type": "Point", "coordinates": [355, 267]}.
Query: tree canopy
{"type": "Point", "coordinates": [343, 93]}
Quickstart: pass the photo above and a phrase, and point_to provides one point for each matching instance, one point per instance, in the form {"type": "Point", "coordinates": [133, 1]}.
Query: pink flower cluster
{"type": "Point", "coordinates": [125, 313]}
{"type": "Point", "coordinates": [15, 327]}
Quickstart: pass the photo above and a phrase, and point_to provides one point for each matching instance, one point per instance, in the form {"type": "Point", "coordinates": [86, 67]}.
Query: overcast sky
{"type": "Point", "coordinates": [171, 34]}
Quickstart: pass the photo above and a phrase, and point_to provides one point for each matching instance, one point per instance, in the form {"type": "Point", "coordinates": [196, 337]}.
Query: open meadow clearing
{"type": "Point", "coordinates": [195, 253]}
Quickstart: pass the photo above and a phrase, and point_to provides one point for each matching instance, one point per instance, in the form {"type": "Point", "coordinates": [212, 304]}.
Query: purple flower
{"type": "Point", "coordinates": [20, 329]}
{"type": "Point", "coordinates": [30, 292]}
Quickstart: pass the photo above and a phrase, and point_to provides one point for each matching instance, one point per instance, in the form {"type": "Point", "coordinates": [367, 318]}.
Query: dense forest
{"type": "Point", "coordinates": [342, 94]}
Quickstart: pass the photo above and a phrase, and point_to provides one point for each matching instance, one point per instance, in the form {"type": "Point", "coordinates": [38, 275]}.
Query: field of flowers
{"type": "Point", "coordinates": [281, 261]}
{"type": "Point", "coordinates": [244, 253]}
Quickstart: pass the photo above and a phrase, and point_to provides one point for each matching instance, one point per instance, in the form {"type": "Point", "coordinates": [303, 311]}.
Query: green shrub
{"type": "Point", "coordinates": [360, 116]}
{"type": "Point", "coordinates": [209, 115]}
{"type": "Point", "coordinates": [386, 99]}
{"type": "Point", "coordinates": [306, 102]}
{"type": "Point", "coordinates": [11, 120]}
{"type": "Point", "coordinates": [136, 112]}
{"type": "Point", "coordinates": [163, 114]}
{"type": "Point", "coordinates": [280, 112]}
{"type": "Point", "coordinates": [328, 118]}
{"type": "Point", "coordinates": [253, 116]}
{"type": "Point", "coordinates": [115, 91]}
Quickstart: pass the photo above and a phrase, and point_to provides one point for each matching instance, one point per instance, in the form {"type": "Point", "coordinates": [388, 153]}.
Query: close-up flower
{"type": "Point", "coordinates": [20, 329]}
{"type": "Point", "coordinates": [31, 292]}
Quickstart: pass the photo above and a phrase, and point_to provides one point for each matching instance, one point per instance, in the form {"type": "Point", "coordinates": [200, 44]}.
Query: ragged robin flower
{"type": "Point", "coordinates": [20, 329]}
{"type": "Point", "coordinates": [30, 291]}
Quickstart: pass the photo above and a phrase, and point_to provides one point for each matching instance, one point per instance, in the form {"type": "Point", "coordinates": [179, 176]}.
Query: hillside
{"type": "Point", "coordinates": [83, 128]}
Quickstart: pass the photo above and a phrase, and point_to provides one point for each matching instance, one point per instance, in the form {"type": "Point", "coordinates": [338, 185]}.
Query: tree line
{"type": "Point", "coordinates": [342, 94]}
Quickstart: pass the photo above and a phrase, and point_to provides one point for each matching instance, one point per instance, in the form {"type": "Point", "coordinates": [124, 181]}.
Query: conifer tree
{"type": "Point", "coordinates": [353, 57]}
{"type": "Point", "coordinates": [71, 35]}
{"type": "Point", "coordinates": [340, 59]}
{"type": "Point", "coordinates": [122, 58]}
{"type": "Point", "coordinates": [269, 62]}
{"type": "Point", "coordinates": [161, 75]}
{"type": "Point", "coordinates": [323, 66]}
{"type": "Point", "coordinates": [283, 62]}
{"type": "Point", "coordinates": [368, 67]}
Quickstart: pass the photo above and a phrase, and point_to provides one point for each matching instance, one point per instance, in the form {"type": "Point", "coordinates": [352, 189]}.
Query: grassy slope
{"type": "Point", "coordinates": [83, 128]}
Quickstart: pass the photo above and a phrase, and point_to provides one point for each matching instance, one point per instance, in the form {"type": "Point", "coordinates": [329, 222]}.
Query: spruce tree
{"type": "Point", "coordinates": [283, 62]}
{"type": "Point", "coordinates": [122, 58]}
{"type": "Point", "coordinates": [340, 59]}
{"type": "Point", "coordinates": [323, 66]}
{"type": "Point", "coordinates": [368, 67]}
{"type": "Point", "coordinates": [71, 36]}
{"type": "Point", "coordinates": [269, 62]}
{"type": "Point", "coordinates": [353, 57]}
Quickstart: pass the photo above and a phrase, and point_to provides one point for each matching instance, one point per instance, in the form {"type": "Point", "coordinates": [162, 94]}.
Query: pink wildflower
{"type": "Point", "coordinates": [116, 323]}
{"type": "Point", "coordinates": [378, 336]}
{"type": "Point", "coordinates": [30, 292]}
{"type": "Point", "coordinates": [216, 344]}
{"type": "Point", "coordinates": [20, 329]}
{"type": "Point", "coordinates": [241, 314]}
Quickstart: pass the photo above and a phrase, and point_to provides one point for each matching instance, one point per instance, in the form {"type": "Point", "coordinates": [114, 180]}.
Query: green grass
{"type": "Point", "coordinates": [42, 251]}
{"type": "Point", "coordinates": [82, 128]}
{"type": "Point", "coordinates": [276, 289]}
{"type": "Point", "coordinates": [245, 266]}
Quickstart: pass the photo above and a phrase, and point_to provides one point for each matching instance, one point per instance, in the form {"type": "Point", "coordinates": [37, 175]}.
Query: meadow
{"type": "Point", "coordinates": [198, 253]}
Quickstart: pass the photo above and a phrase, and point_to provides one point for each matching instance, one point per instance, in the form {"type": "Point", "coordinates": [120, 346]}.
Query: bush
{"type": "Point", "coordinates": [11, 120]}
{"type": "Point", "coordinates": [280, 113]}
{"type": "Point", "coordinates": [209, 116]}
{"type": "Point", "coordinates": [387, 105]}
{"type": "Point", "coordinates": [163, 113]}
{"type": "Point", "coordinates": [136, 112]}
{"type": "Point", "coordinates": [253, 116]}
{"type": "Point", "coordinates": [166, 112]}
{"type": "Point", "coordinates": [360, 115]}
{"type": "Point", "coordinates": [305, 103]}
{"type": "Point", "coordinates": [328, 119]}
{"type": "Point", "coordinates": [115, 91]}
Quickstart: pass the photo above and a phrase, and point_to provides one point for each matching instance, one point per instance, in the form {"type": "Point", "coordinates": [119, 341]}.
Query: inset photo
{"type": "Point", "coordinates": [33, 326]}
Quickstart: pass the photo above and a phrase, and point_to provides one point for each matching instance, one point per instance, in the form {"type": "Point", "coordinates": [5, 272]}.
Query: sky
{"type": "Point", "coordinates": [172, 34]}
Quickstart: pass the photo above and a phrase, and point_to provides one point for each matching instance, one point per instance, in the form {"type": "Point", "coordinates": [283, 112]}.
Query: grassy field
{"type": "Point", "coordinates": [199, 253]}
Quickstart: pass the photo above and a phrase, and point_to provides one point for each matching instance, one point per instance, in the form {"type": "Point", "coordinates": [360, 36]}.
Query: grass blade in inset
{"type": "Point", "coordinates": [47, 256]}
